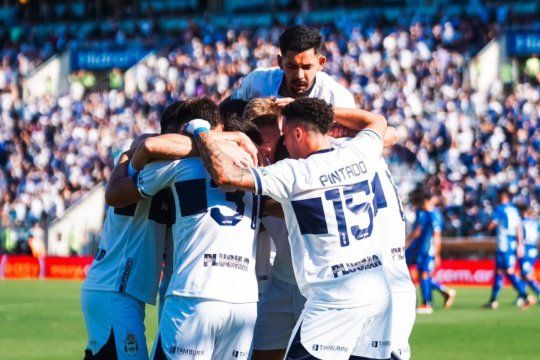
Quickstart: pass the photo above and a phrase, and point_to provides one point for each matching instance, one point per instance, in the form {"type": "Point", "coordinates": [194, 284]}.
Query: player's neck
{"type": "Point", "coordinates": [317, 143]}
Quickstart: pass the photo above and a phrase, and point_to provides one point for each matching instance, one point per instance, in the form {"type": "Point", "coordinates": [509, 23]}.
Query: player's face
{"type": "Point", "coordinates": [292, 139]}
{"type": "Point", "coordinates": [300, 70]}
{"type": "Point", "coordinates": [270, 134]}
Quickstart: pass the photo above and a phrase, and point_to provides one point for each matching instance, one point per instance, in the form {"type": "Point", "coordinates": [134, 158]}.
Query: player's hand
{"type": "Point", "coordinates": [337, 131]}
{"type": "Point", "coordinates": [437, 261]}
{"type": "Point", "coordinates": [239, 157]}
{"type": "Point", "coordinates": [282, 102]}
{"type": "Point", "coordinates": [247, 145]}
{"type": "Point", "coordinates": [139, 139]}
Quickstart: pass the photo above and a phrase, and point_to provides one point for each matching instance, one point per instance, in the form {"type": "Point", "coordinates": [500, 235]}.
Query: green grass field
{"type": "Point", "coordinates": [42, 320]}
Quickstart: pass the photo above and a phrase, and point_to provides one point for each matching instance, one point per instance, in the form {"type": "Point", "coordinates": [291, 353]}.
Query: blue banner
{"type": "Point", "coordinates": [523, 43]}
{"type": "Point", "coordinates": [106, 59]}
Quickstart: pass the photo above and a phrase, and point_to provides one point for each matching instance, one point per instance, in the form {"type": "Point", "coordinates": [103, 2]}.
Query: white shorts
{"type": "Point", "coordinates": [115, 325]}
{"type": "Point", "coordinates": [334, 334]}
{"type": "Point", "coordinates": [278, 311]}
{"type": "Point", "coordinates": [194, 328]}
{"type": "Point", "coordinates": [403, 316]}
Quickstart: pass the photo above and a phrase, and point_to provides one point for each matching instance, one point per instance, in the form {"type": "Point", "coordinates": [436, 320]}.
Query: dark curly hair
{"type": "Point", "coordinates": [313, 114]}
{"type": "Point", "coordinates": [198, 108]}
{"type": "Point", "coordinates": [300, 38]}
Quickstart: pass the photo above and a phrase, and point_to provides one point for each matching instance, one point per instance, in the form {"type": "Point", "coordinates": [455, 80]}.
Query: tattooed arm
{"type": "Point", "coordinates": [221, 166]}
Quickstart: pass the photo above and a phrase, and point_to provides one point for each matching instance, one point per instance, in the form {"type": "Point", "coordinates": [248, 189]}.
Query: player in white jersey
{"type": "Point", "coordinates": [210, 308]}
{"type": "Point", "coordinates": [299, 75]}
{"type": "Point", "coordinates": [391, 221]}
{"type": "Point", "coordinates": [328, 202]}
{"type": "Point", "coordinates": [126, 271]}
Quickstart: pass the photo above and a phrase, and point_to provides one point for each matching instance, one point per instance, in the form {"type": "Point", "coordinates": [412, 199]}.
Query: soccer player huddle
{"type": "Point", "coordinates": [288, 157]}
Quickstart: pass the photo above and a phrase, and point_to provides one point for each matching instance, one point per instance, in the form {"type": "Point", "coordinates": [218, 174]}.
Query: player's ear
{"type": "Point", "coordinates": [322, 61]}
{"type": "Point", "coordinates": [298, 133]}
{"type": "Point", "coordinates": [280, 61]}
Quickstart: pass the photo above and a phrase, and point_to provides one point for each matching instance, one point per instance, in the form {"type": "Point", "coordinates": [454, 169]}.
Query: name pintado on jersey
{"type": "Point", "coordinates": [214, 232]}
{"type": "Point", "coordinates": [330, 208]}
{"type": "Point", "coordinates": [391, 221]}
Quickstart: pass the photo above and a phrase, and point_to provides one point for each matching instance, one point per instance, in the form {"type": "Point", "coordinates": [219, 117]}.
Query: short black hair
{"type": "Point", "coordinates": [313, 114]}
{"type": "Point", "coordinates": [418, 196]}
{"type": "Point", "coordinates": [199, 108]}
{"type": "Point", "coordinates": [236, 123]}
{"type": "Point", "coordinates": [169, 120]}
{"type": "Point", "coordinates": [504, 192]}
{"type": "Point", "coordinates": [300, 38]}
{"type": "Point", "coordinates": [232, 106]}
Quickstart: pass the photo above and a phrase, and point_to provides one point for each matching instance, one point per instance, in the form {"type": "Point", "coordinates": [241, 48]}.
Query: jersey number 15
{"type": "Point", "coordinates": [312, 220]}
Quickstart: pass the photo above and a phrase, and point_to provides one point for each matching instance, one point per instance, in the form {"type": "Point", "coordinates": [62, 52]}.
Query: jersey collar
{"type": "Point", "coordinates": [322, 151]}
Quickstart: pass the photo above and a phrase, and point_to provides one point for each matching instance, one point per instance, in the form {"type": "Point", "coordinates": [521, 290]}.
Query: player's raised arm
{"type": "Point", "coordinates": [163, 147]}
{"type": "Point", "coordinates": [222, 167]}
{"type": "Point", "coordinates": [121, 190]}
{"type": "Point", "coordinates": [358, 119]}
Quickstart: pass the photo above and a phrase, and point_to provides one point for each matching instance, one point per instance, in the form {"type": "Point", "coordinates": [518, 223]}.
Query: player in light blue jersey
{"type": "Point", "coordinates": [509, 236]}
{"type": "Point", "coordinates": [423, 249]}
{"type": "Point", "coordinates": [531, 236]}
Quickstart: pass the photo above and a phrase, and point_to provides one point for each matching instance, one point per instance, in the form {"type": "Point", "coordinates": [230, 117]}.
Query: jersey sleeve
{"type": "Point", "coordinates": [276, 181]}
{"type": "Point", "coordinates": [343, 98]}
{"type": "Point", "coordinates": [369, 143]}
{"type": "Point", "coordinates": [156, 176]}
{"type": "Point", "coordinates": [243, 92]}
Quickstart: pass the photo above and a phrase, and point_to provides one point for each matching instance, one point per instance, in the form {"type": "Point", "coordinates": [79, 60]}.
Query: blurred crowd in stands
{"type": "Point", "coordinates": [462, 144]}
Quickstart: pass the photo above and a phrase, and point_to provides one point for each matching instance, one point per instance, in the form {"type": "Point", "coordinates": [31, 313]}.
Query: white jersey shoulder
{"type": "Point", "coordinates": [214, 232]}
{"type": "Point", "coordinates": [328, 204]}
{"type": "Point", "coordinates": [131, 249]}
{"type": "Point", "coordinates": [266, 82]}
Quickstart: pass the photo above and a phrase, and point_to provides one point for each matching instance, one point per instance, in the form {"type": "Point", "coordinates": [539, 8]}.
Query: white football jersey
{"type": "Point", "coordinates": [391, 221]}
{"type": "Point", "coordinates": [328, 202]}
{"type": "Point", "coordinates": [282, 267]}
{"type": "Point", "coordinates": [214, 232]}
{"type": "Point", "coordinates": [131, 248]}
{"type": "Point", "coordinates": [266, 82]}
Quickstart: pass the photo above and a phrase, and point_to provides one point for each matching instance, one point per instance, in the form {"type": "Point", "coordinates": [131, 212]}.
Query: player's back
{"type": "Point", "coordinates": [131, 248]}
{"type": "Point", "coordinates": [214, 232]}
{"type": "Point", "coordinates": [508, 223]}
{"type": "Point", "coordinates": [328, 202]}
{"type": "Point", "coordinates": [424, 219]}
{"type": "Point", "coordinates": [391, 220]}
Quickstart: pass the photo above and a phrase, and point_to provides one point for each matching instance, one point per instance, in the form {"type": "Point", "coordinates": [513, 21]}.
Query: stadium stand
{"type": "Point", "coordinates": [464, 144]}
